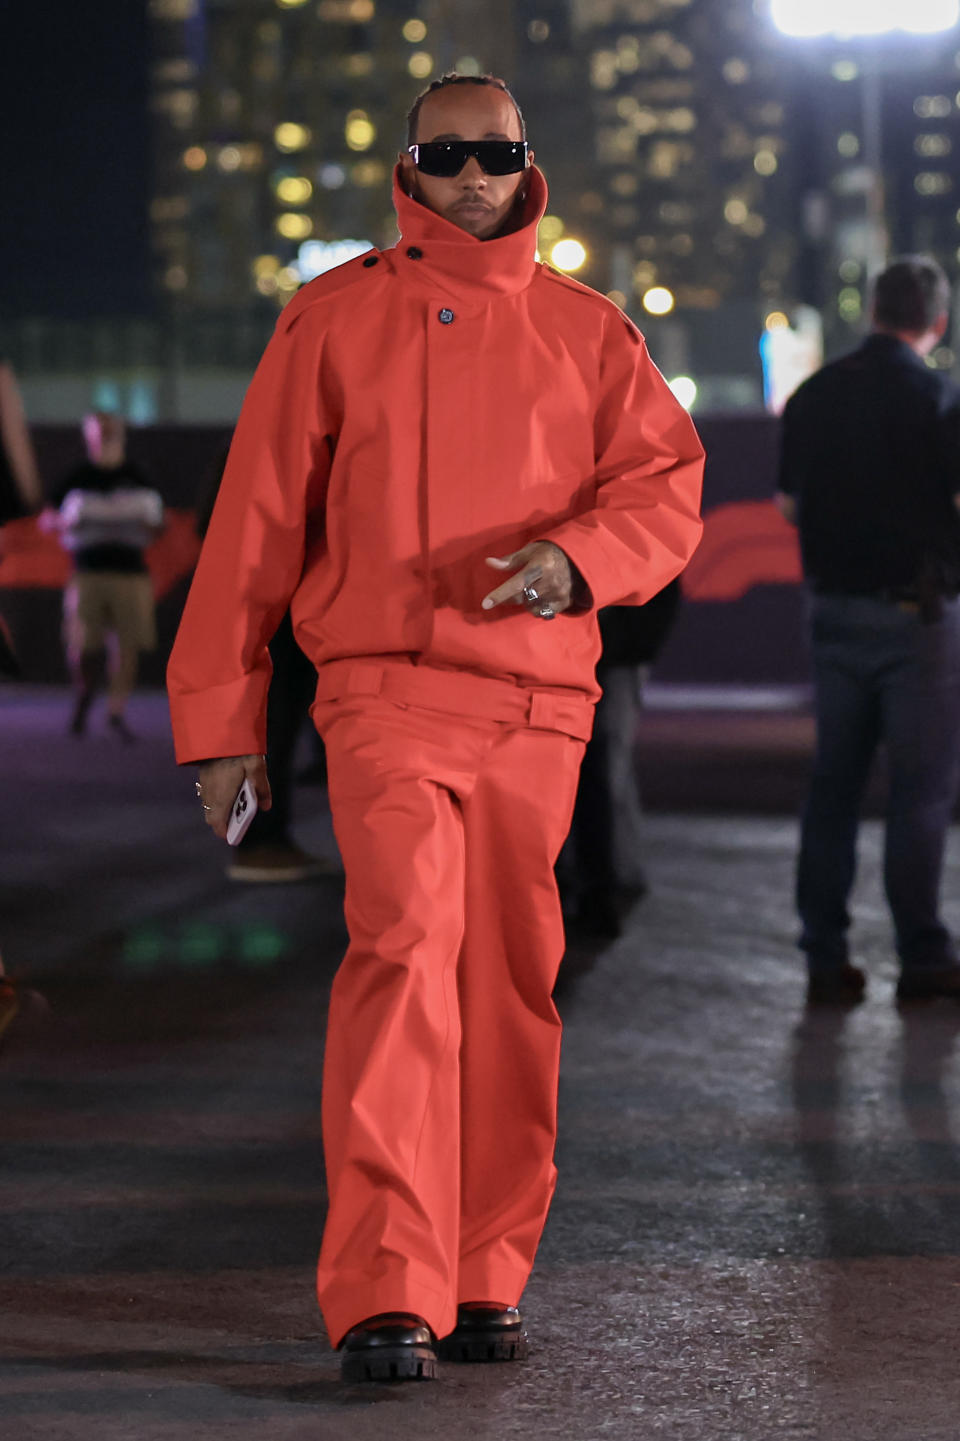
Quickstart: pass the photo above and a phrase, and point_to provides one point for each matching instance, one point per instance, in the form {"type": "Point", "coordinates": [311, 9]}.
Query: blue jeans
{"type": "Point", "coordinates": [881, 675]}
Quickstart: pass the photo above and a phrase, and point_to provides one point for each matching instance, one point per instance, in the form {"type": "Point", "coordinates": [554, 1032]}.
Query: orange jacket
{"type": "Point", "coordinates": [417, 410]}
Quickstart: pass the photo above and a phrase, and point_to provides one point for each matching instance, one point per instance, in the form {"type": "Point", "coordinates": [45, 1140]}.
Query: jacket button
{"type": "Point", "coordinates": [446, 317]}
{"type": "Point", "coordinates": [414, 252]}
{"type": "Point", "coordinates": [371, 260]}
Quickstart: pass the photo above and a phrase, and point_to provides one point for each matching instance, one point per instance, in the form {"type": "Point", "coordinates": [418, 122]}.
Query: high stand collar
{"type": "Point", "coordinates": [457, 263]}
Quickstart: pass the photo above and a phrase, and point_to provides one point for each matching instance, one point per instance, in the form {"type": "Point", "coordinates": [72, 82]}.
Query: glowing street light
{"type": "Point", "coordinates": [847, 18]}
{"type": "Point", "coordinates": [568, 254]}
{"type": "Point", "coordinates": [684, 387]}
{"type": "Point", "coordinates": [866, 19]}
{"type": "Point", "coordinates": [658, 300]}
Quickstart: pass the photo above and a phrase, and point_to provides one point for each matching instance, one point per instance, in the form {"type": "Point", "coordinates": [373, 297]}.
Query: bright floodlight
{"type": "Point", "coordinates": [684, 388]}
{"type": "Point", "coordinates": [863, 17]}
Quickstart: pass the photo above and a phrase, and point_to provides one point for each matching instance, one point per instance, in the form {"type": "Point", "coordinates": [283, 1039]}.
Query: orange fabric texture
{"type": "Point", "coordinates": [440, 1076]}
{"type": "Point", "coordinates": [419, 410]}
{"type": "Point", "coordinates": [449, 401]}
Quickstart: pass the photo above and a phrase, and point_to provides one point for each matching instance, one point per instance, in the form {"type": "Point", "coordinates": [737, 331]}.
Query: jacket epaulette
{"type": "Point", "coordinates": [586, 292]}
{"type": "Point", "coordinates": [330, 283]}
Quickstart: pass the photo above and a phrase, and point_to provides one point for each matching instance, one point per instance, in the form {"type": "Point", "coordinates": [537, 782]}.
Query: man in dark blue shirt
{"type": "Point", "coordinates": [870, 474]}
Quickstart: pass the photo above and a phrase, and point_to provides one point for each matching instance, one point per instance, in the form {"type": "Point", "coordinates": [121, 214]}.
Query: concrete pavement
{"type": "Point", "coordinates": [756, 1232]}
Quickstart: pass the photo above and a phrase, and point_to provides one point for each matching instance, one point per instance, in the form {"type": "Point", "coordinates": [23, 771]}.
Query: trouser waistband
{"type": "Point", "coordinates": [457, 693]}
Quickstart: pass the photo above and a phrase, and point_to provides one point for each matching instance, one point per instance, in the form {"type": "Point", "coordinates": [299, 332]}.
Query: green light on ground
{"type": "Point", "coordinates": [201, 945]}
{"type": "Point", "coordinates": [143, 948]}
{"type": "Point", "coordinates": [261, 946]}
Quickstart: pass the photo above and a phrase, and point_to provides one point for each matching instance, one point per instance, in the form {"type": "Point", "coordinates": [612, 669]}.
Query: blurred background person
{"type": "Point", "coordinates": [20, 494]}
{"type": "Point", "coordinates": [20, 490]}
{"type": "Point", "coordinates": [106, 514]}
{"type": "Point", "coordinates": [870, 474]}
{"type": "Point", "coordinates": [601, 868]}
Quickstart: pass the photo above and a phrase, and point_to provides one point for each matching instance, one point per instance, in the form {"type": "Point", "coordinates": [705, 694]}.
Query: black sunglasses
{"type": "Point", "coordinates": [448, 157]}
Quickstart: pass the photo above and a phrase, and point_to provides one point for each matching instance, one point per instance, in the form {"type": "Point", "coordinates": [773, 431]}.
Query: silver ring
{"type": "Point", "coordinates": [547, 612]}
{"type": "Point", "coordinates": [530, 594]}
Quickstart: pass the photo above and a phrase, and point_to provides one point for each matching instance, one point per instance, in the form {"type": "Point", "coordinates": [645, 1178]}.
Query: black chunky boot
{"type": "Point", "coordinates": [485, 1333]}
{"type": "Point", "coordinates": [389, 1348]}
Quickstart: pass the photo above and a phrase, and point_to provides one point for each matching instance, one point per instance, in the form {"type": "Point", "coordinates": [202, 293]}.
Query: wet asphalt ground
{"type": "Point", "coordinates": [756, 1232]}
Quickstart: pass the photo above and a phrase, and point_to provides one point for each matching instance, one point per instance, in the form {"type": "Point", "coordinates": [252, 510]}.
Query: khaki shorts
{"type": "Point", "coordinates": [101, 603]}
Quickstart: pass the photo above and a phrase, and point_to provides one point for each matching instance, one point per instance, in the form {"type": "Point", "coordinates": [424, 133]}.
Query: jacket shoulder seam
{"type": "Point", "coordinates": [325, 287]}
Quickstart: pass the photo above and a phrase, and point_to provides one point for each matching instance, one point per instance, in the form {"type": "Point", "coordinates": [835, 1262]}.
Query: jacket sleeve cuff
{"type": "Point", "coordinates": [225, 720]}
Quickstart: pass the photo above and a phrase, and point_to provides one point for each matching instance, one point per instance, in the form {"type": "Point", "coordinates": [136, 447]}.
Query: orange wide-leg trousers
{"type": "Point", "coordinates": [442, 1054]}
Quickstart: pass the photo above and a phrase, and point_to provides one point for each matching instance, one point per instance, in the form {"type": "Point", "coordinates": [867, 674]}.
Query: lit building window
{"type": "Point", "coordinates": [765, 162]}
{"type": "Point", "coordinates": [468, 65]}
{"type": "Point", "coordinates": [603, 69]}
{"type": "Point", "coordinates": [932, 107]}
{"type": "Point", "coordinates": [229, 158]}
{"type": "Point", "coordinates": [175, 278]}
{"type": "Point", "coordinates": [736, 71]}
{"type": "Point", "coordinates": [344, 11]}
{"type": "Point", "coordinates": [415, 31]}
{"type": "Point", "coordinates": [294, 190]}
{"type": "Point", "coordinates": [290, 4]}
{"type": "Point", "coordinates": [932, 145]}
{"type": "Point", "coordinates": [850, 304]}
{"type": "Point", "coordinates": [850, 271]}
{"type": "Point", "coordinates": [293, 226]}
{"type": "Point", "coordinates": [368, 172]}
{"type": "Point", "coordinates": [848, 145]}
{"type": "Point", "coordinates": [551, 229]}
{"type": "Point", "coordinates": [357, 65]}
{"type": "Point", "coordinates": [289, 137]}
{"type": "Point", "coordinates": [538, 31]}
{"type": "Point", "coordinates": [754, 226]}
{"type": "Point", "coordinates": [173, 9]}
{"type": "Point", "coordinates": [179, 106]}
{"type": "Point", "coordinates": [845, 70]}
{"type": "Point", "coordinates": [195, 158]}
{"type": "Point", "coordinates": [681, 120]}
{"type": "Point", "coordinates": [359, 131]}
{"type": "Point", "coordinates": [420, 64]}
{"type": "Point", "coordinates": [167, 209]}
{"type": "Point", "coordinates": [932, 182]}
{"type": "Point", "coordinates": [624, 183]}
{"type": "Point", "coordinates": [616, 144]}
{"type": "Point", "coordinates": [332, 177]}
{"type": "Point", "coordinates": [735, 211]}
{"type": "Point", "coordinates": [666, 158]}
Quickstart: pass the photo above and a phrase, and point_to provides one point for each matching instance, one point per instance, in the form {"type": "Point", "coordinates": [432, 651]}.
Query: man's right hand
{"type": "Point", "coordinates": [218, 782]}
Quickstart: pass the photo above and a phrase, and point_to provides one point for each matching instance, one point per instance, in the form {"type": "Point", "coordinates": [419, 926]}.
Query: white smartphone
{"type": "Point", "coordinates": [241, 814]}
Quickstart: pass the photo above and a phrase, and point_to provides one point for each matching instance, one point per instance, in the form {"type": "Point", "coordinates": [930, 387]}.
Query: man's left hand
{"type": "Point", "coordinates": [545, 582]}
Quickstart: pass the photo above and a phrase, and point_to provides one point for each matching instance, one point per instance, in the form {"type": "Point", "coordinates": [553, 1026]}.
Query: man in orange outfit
{"type": "Point", "coordinates": [422, 415]}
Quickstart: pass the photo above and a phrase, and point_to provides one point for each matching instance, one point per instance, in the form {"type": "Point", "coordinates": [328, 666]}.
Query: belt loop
{"type": "Point", "coordinates": [542, 712]}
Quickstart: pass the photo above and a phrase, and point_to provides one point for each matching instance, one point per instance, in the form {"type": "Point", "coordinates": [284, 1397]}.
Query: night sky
{"type": "Point", "coordinates": [76, 158]}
